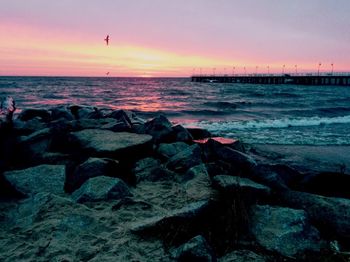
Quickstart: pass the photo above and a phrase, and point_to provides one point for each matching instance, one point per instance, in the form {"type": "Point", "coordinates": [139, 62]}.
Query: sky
{"type": "Point", "coordinates": [159, 38]}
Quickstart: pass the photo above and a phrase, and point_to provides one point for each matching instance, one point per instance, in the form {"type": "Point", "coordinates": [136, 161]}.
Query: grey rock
{"type": "Point", "coordinates": [242, 256]}
{"type": "Point", "coordinates": [284, 230]}
{"type": "Point", "coordinates": [43, 178]}
{"type": "Point", "coordinates": [85, 112]}
{"type": "Point", "coordinates": [199, 133]}
{"type": "Point", "coordinates": [180, 134]}
{"type": "Point", "coordinates": [29, 114]}
{"type": "Point", "coordinates": [159, 128]}
{"type": "Point", "coordinates": [197, 183]}
{"type": "Point", "coordinates": [185, 159]}
{"type": "Point", "coordinates": [146, 163]}
{"type": "Point", "coordinates": [190, 214]}
{"type": "Point", "coordinates": [27, 127]}
{"type": "Point", "coordinates": [246, 187]}
{"type": "Point", "coordinates": [159, 173]}
{"type": "Point", "coordinates": [166, 151]}
{"type": "Point", "coordinates": [101, 188]}
{"type": "Point", "coordinates": [106, 143]}
{"type": "Point", "coordinates": [196, 249]}
{"type": "Point", "coordinates": [330, 215]}
{"type": "Point", "coordinates": [61, 112]}
{"type": "Point", "coordinates": [93, 167]}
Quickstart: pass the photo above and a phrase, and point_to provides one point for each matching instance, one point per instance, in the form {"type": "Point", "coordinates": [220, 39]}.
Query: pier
{"type": "Point", "coordinates": [339, 79]}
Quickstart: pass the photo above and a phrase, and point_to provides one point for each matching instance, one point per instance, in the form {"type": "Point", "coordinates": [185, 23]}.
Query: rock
{"type": "Point", "coordinates": [32, 147]}
{"type": "Point", "coordinates": [185, 159]}
{"type": "Point", "coordinates": [159, 173]}
{"type": "Point", "coordinates": [244, 163]}
{"type": "Point", "coordinates": [189, 216]}
{"type": "Point", "coordinates": [196, 249]}
{"type": "Point", "coordinates": [101, 188]}
{"type": "Point", "coordinates": [219, 168]}
{"type": "Point", "coordinates": [159, 128]}
{"type": "Point", "coordinates": [242, 256]}
{"type": "Point", "coordinates": [213, 143]}
{"type": "Point", "coordinates": [85, 112]}
{"type": "Point", "coordinates": [106, 143]}
{"type": "Point", "coordinates": [197, 183]}
{"type": "Point", "coordinates": [86, 123]}
{"type": "Point", "coordinates": [284, 230]}
{"type": "Point", "coordinates": [180, 134]}
{"type": "Point", "coordinates": [166, 151]}
{"type": "Point", "coordinates": [43, 178]}
{"type": "Point", "coordinates": [248, 189]}
{"type": "Point", "coordinates": [278, 177]}
{"type": "Point", "coordinates": [61, 112]}
{"type": "Point", "coordinates": [27, 127]}
{"type": "Point", "coordinates": [146, 163]}
{"type": "Point", "coordinates": [29, 114]}
{"type": "Point", "coordinates": [199, 133]}
{"type": "Point", "coordinates": [93, 167]}
{"type": "Point", "coordinates": [327, 184]}
{"type": "Point", "coordinates": [330, 215]}
{"type": "Point", "coordinates": [53, 158]}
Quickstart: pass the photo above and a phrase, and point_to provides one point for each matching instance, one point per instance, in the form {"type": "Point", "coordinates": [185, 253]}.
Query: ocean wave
{"type": "Point", "coordinates": [226, 105]}
{"type": "Point", "coordinates": [273, 123]}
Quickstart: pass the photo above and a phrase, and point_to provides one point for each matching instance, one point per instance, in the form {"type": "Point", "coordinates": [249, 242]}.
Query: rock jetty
{"type": "Point", "coordinates": [79, 183]}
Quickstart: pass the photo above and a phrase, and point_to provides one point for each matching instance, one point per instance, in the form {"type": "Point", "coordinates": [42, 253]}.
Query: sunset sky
{"type": "Point", "coordinates": [172, 38]}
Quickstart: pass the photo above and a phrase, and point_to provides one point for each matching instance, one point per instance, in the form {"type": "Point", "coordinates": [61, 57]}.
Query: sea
{"type": "Point", "coordinates": [257, 114]}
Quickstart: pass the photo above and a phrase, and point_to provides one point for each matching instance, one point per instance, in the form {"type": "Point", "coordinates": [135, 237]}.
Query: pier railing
{"type": "Point", "coordinates": [335, 78]}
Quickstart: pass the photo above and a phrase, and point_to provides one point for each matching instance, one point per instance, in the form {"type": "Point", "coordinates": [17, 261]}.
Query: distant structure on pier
{"type": "Point", "coordinates": [297, 79]}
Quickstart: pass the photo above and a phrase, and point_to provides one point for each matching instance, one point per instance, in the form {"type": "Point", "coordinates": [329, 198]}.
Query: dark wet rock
{"type": "Point", "coordinates": [29, 114]}
{"type": "Point", "coordinates": [159, 128]}
{"type": "Point", "coordinates": [27, 127]}
{"type": "Point", "coordinates": [212, 144]}
{"type": "Point", "coordinates": [330, 215]}
{"type": "Point", "coordinates": [61, 112]}
{"type": "Point", "coordinates": [55, 158]}
{"type": "Point", "coordinates": [242, 256]}
{"type": "Point", "coordinates": [284, 230]}
{"type": "Point", "coordinates": [166, 151]}
{"type": "Point", "coordinates": [199, 133]}
{"type": "Point", "coordinates": [85, 112]}
{"type": "Point", "coordinates": [159, 173]}
{"type": "Point", "coordinates": [219, 168]}
{"type": "Point", "coordinates": [33, 146]}
{"type": "Point", "coordinates": [326, 184]}
{"type": "Point", "coordinates": [86, 123]}
{"type": "Point", "coordinates": [146, 163]}
{"type": "Point", "coordinates": [196, 249]}
{"type": "Point", "coordinates": [43, 178]}
{"type": "Point", "coordinates": [248, 189]}
{"type": "Point", "coordinates": [105, 143]}
{"type": "Point", "coordinates": [93, 167]}
{"type": "Point", "coordinates": [101, 188]}
{"type": "Point", "coordinates": [180, 134]}
{"type": "Point", "coordinates": [185, 159]}
{"type": "Point", "coordinates": [276, 176]}
{"type": "Point", "coordinates": [189, 216]}
{"type": "Point", "coordinates": [197, 183]}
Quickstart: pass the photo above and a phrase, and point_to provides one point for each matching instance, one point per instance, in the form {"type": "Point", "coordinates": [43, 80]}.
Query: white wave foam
{"type": "Point", "coordinates": [273, 123]}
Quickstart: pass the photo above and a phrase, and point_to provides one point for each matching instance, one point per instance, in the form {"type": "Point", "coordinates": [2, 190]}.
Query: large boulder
{"type": "Point", "coordinates": [43, 178]}
{"type": "Point", "coordinates": [101, 188]}
{"type": "Point", "coordinates": [105, 143]}
{"type": "Point", "coordinates": [197, 183]}
{"type": "Point", "coordinates": [185, 159]}
{"type": "Point", "coordinates": [196, 249]}
{"type": "Point", "coordinates": [166, 151]}
{"type": "Point", "coordinates": [242, 256]}
{"type": "Point", "coordinates": [93, 167]}
{"type": "Point", "coordinates": [32, 147]}
{"type": "Point", "coordinates": [61, 112]}
{"type": "Point", "coordinates": [180, 134]}
{"type": "Point", "coordinates": [181, 221]}
{"type": "Point", "coordinates": [85, 112]}
{"type": "Point", "coordinates": [284, 230]}
{"type": "Point", "coordinates": [248, 189]}
{"type": "Point", "coordinates": [29, 114]}
{"type": "Point", "coordinates": [159, 128]}
{"type": "Point", "coordinates": [198, 133]}
{"type": "Point", "coordinates": [330, 215]}
{"type": "Point", "coordinates": [276, 176]}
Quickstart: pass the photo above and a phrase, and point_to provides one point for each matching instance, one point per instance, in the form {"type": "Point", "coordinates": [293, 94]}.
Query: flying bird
{"type": "Point", "coordinates": [107, 39]}
{"type": "Point", "coordinates": [107, 73]}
